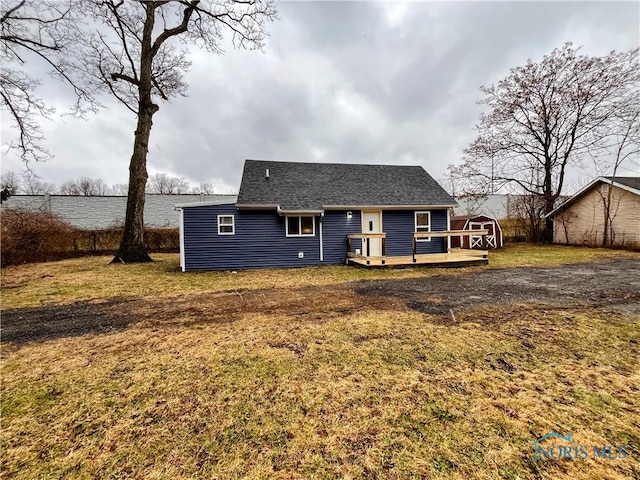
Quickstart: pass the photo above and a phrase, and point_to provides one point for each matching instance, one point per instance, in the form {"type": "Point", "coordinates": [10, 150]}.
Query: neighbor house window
{"type": "Point", "coordinates": [226, 225]}
{"type": "Point", "coordinates": [423, 224]}
{"type": "Point", "coordinates": [300, 226]}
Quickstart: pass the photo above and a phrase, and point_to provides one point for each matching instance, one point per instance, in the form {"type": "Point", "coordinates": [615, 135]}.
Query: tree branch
{"type": "Point", "coordinates": [126, 78]}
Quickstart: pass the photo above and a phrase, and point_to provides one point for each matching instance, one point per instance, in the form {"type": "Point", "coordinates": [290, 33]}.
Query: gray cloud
{"type": "Point", "coordinates": [339, 81]}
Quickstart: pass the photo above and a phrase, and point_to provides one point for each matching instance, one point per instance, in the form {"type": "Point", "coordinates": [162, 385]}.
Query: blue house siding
{"type": "Point", "coordinates": [399, 225]}
{"type": "Point", "coordinates": [335, 228]}
{"type": "Point", "coordinates": [260, 240]}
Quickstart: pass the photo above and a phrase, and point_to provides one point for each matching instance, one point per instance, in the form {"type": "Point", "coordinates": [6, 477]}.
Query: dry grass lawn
{"type": "Point", "coordinates": [92, 278]}
{"type": "Point", "coordinates": [370, 394]}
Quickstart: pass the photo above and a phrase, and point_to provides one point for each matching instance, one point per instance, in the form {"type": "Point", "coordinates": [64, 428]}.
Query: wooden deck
{"type": "Point", "coordinates": [456, 258]}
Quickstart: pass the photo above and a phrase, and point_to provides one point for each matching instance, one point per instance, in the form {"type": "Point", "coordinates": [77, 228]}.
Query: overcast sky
{"type": "Point", "coordinates": [362, 82]}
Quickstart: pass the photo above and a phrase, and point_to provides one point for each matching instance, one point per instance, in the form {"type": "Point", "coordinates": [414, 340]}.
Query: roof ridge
{"type": "Point", "coordinates": [332, 163]}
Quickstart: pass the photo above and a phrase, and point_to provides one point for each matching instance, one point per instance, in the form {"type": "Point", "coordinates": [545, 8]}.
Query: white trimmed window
{"type": "Point", "coordinates": [226, 225]}
{"type": "Point", "coordinates": [300, 226]}
{"type": "Point", "coordinates": [423, 224]}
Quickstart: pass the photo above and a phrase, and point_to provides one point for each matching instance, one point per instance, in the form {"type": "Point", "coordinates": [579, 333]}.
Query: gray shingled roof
{"type": "Point", "coordinates": [633, 182]}
{"type": "Point", "coordinates": [313, 186]}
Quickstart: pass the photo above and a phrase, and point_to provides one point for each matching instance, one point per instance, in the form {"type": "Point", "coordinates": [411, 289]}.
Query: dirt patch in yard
{"type": "Point", "coordinates": [611, 285]}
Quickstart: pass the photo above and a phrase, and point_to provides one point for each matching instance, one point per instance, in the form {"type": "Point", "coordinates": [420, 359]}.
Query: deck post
{"type": "Point", "coordinates": [414, 249]}
{"type": "Point", "coordinates": [348, 245]}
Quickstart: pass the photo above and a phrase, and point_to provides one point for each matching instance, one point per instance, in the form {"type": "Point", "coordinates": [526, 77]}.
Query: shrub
{"type": "Point", "coordinates": [33, 236]}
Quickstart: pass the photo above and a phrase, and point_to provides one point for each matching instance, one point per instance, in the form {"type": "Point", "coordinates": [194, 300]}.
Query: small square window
{"type": "Point", "coordinates": [226, 225]}
{"type": "Point", "coordinates": [306, 225]}
{"type": "Point", "coordinates": [300, 226]}
{"type": "Point", "coordinates": [423, 224]}
{"type": "Point", "coordinates": [293, 225]}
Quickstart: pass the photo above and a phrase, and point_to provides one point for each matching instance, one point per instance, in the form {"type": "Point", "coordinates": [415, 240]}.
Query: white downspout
{"type": "Point", "coordinates": [182, 262]}
{"type": "Point", "coordinates": [321, 252]}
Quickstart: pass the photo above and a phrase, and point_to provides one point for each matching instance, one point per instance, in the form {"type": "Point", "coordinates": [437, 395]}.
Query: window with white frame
{"type": "Point", "coordinates": [423, 224]}
{"type": "Point", "coordinates": [226, 225]}
{"type": "Point", "coordinates": [300, 226]}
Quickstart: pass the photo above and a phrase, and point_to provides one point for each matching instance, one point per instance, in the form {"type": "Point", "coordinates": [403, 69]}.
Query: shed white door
{"type": "Point", "coordinates": [371, 224]}
{"type": "Point", "coordinates": [476, 240]}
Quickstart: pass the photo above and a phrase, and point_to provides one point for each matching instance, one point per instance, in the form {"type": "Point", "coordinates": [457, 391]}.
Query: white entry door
{"type": "Point", "coordinates": [371, 223]}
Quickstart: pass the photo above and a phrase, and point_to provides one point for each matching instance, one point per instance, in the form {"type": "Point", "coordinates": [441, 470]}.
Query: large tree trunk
{"type": "Point", "coordinates": [132, 247]}
{"type": "Point", "coordinates": [547, 233]}
{"type": "Point", "coordinates": [605, 232]}
{"type": "Point", "coordinates": [549, 201]}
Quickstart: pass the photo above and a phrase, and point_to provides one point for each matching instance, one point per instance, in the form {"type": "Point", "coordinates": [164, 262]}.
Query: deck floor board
{"type": "Point", "coordinates": [472, 258]}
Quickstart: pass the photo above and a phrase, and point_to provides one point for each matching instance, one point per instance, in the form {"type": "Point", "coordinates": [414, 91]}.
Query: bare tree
{"type": "Point", "coordinates": [33, 184]}
{"type": "Point", "coordinates": [203, 188]}
{"type": "Point", "coordinates": [545, 117]}
{"type": "Point", "coordinates": [623, 145]}
{"type": "Point", "coordinates": [11, 183]}
{"type": "Point", "coordinates": [139, 55]}
{"type": "Point", "coordinates": [27, 183]}
{"type": "Point", "coordinates": [38, 32]}
{"type": "Point", "coordinates": [526, 213]}
{"type": "Point", "coordinates": [88, 187]}
{"type": "Point", "coordinates": [120, 189]}
{"type": "Point", "coordinates": [165, 184]}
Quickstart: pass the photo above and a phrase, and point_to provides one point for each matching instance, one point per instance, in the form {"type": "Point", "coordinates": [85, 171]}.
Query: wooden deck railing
{"type": "Point", "coordinates": [367, 237]}
{"type": "Point", "coordinates": [447, 234]}
{"type": "Point", "coordinates": [366, 242]}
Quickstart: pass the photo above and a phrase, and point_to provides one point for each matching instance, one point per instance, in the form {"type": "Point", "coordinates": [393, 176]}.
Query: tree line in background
{"type": "Point", "coordinates": [27, 183]}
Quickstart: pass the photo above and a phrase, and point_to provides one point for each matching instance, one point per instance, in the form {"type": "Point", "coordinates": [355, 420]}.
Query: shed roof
{"type": "Point", "coordinates": [632, 182]}
{"type": "Point", "coordinates": [302, 186]}
{"type": "Point", "coordinates": [458, 222]}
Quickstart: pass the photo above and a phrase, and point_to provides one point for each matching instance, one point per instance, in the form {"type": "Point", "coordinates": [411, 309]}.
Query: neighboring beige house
{"type": "Point", "coordinates": [581, 219]}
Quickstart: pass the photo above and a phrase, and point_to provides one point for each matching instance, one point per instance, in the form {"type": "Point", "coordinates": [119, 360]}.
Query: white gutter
{"type": "Point", "coordinates": [257, 206]}
{"type": "Point", "coordinates": [300, 212]}
{"type": "Point", "coordinates": [387, 207]}
{"type": "Point", "coordinates": [205, 204]}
